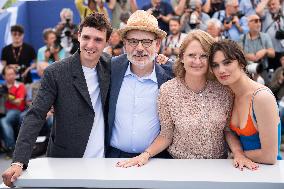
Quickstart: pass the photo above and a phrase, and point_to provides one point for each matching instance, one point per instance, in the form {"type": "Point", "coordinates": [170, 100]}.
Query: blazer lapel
{"type": "Point", "coordinates": [79, 80]}
{"type": "Point", "coordinates": [118, 71]}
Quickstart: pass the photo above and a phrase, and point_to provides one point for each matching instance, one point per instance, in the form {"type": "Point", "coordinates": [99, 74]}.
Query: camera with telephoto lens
{"type": "Point", "coordinates": [229, 19]}
{"type": "Point", "coordinates": [279, 34]}
{"type": "Point", "coordinates": [67, 31]}
{"type": "Point", "coordinates": [193, 18]}
{"type": "Point", "coordinates": [156, 12]}
{"type": "Point", "coordinates": [20, 69]}
{"type": "Point", "coordinates": [3, 97]}
{"type": "Point", "coordinates": [3, 90]}
{"type": "Point", "coordinates": [254, 68]}
{"type": "Point", "coordinates": [239, 14]}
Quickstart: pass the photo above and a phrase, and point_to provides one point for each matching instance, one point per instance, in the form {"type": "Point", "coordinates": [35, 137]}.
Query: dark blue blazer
{"type": "Point", "coordinates": [119, 66]}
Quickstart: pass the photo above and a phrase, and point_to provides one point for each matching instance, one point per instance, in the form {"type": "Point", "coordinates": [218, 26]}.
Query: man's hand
{"type": "Point", "coordinates": [197, 21]}
{"type": "Point", "coordinates": [281, 78]}
{"type": "Point", "coordinates": [11, 175]}
{"type": "Point", "coordinates": [168, 51]}
{"type": "Point", "coordinates": [47, 54]}
{"type": "Point", "coordinates": [25, 73]}
{"type": "Point", "coordinates": [235, 20]}
{"type": "Point", "coordinates": [150, 10]}
{"type": "Point", "coordinates": [161, 59]}
{"type": "Point", "coordinates": [176, 51]}
{"type": "Point", "coordinates": [251, 57]}
{"type": "Point", "coordinates": [227, 26]}
{"type": "Point", "coordinates": [261, 54]}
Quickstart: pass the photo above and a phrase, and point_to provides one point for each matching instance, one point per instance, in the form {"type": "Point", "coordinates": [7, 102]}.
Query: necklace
{"type": "Point", "coordinates": [196, 91]}
{"type": "Point", "coordinates": [17, 55]}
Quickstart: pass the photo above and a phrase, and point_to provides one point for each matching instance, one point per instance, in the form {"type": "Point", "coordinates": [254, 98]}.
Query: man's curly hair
{"type": "Point", "coordinates": [98, 21]}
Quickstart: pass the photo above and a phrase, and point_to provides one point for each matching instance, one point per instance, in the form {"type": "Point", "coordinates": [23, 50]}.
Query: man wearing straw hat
{"type": "Point", "coordinates": [136, 78]}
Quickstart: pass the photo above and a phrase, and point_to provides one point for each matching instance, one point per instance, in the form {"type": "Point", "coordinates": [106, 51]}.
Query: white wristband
{"type": "Point", "coordinates": [18, 164]}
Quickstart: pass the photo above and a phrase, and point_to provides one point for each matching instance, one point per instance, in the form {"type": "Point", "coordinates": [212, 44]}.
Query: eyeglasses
{"type": "Point", "coordinates": [145, 42]}
{"type": "Point", "coordinates": [255, 20]}
{"type": "Point", "coordinates": [202, 57]}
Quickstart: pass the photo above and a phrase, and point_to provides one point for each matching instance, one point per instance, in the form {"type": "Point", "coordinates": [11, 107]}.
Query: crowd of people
{"type": "Point", "coordinates": [105, 91]}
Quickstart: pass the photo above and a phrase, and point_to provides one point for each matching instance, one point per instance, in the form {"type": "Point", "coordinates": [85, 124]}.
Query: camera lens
{"type": "Point", "coordinates": [156, 13]}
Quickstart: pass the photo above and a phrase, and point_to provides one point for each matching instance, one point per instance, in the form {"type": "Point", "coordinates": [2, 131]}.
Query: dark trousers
{"type": "Point", "coordinates": [116, 153]}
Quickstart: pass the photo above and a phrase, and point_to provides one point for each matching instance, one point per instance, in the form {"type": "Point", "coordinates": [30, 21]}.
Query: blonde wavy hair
{"type": "Point", "coordinates": [206, 42]}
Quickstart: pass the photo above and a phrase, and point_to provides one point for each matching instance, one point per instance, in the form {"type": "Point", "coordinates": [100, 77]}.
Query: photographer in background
{"type": "Point", "coordinates": [120, 7]}
{"type": "Point", "coordinates": [180, 6]}
{"type": "Point", "coordinates": [212, 6]}
{"type": "Point", "coordinates": [277, 83]}
{"type": "Point", "coordinates": [92, 6]}
{"type": "Point", "coordinates": [170, 45]}
{"type": "Point", "coordinates": [255, 70]}
{"type": "Point", "coordinates": [19, 54]}
{"type": "Point", "coordinates": [273, 25]}
{"type": "Point", "coordinates": [234, 23]}
{"type": "Point", "coordinates": [163, 11]}
{"type": "Point", "coordinates": [214, 28]}
{"type": "Point", "coordinates": [194, 18]}
{"type": "Point", "coordinates": [115, 44]}
{"type": "Point", "coordinates": [277, 87]}
{"type": "Point", "coordinates": [257, 45]}
{"type": "Point", "coordinates": [52, 51]}
{"type": "Point", "coordinates": [65, 30]}
{"type": "Point", "coordinates": [14, 104]}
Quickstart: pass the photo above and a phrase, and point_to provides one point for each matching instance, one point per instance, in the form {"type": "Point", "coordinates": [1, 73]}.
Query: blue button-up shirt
{"type": "Point", "coordinates": [136, 123]}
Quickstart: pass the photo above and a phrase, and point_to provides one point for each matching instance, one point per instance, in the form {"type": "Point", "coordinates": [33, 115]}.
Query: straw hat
{"type": "Point", "coordinates": [142, 20]}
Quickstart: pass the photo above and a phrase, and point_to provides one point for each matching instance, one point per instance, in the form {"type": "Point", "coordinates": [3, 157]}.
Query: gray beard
{"type": "Point", "coordinates": [139, 64]}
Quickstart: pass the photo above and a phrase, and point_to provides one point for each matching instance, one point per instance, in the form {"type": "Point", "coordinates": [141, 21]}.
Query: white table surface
{"type": "Point", "coordinates": [158, 173]}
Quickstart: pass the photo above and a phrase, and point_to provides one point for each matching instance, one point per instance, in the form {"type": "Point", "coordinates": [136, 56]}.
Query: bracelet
{"type": "Point", "coordinates": [18, 164]}
{"type": "Point", "coordinates": [149, 154]}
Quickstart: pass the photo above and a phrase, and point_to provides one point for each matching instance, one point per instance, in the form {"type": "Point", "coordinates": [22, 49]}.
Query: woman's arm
{"type": "Point", "coordinates": [159, 144]}
{"type": "Point", "coordinates": [240, 160]}
{"type": "Point", "coordinates": [267, 117]}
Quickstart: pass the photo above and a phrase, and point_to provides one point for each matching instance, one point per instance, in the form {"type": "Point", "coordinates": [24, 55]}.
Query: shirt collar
{"type": "Point", "coordinates": [152, 76]}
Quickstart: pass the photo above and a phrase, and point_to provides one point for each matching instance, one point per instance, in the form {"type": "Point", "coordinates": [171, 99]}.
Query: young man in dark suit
{"type": "Point", "coordinates": [77, 89]}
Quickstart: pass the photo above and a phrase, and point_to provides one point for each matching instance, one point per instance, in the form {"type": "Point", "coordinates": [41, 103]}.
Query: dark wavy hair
{"type": "Point", "coordinates": [98, 21]}
{"type": "Point", "coordinates": [230, 49]}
